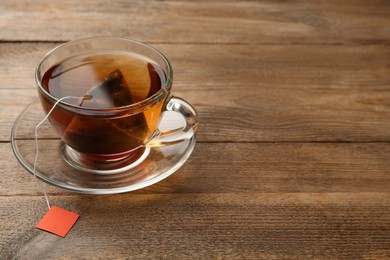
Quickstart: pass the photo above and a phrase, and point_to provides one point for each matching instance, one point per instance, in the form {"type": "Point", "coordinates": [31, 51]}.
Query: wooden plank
{"type": "Point", "coordinates": [312, 116]}
{"type": "Point", "coordinates": [188, 226]}
{"type": "Point", "coordinates": [223, 67]}
{"type": "Point", "coordinates": [245, 168]}
{"type": "Point", "coordinates": [279, 93]}
{"type": "Point", "coordinates": [278, 22]}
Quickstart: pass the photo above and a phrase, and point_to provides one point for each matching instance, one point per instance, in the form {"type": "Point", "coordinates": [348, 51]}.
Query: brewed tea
{"type": "Point", "coordinates": [111, 81]}
{"type": "Point", "coordinates": [81, 74]}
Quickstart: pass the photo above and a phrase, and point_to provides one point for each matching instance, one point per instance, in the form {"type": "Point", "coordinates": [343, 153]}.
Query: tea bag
{"type": "Point", "coordinates": [112, 92]}
{"type": "Point", "coordinates": [135, 69]}
{"type": "Point", "coordinates": [125, 131]}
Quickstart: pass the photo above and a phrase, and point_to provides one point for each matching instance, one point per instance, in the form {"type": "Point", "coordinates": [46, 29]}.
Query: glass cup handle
{"type": "Point", "coordinates": [173, 136]}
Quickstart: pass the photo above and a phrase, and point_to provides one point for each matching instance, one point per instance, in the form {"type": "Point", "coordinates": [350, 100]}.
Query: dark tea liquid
{"type": "Point", "coordinates": [110, 80]}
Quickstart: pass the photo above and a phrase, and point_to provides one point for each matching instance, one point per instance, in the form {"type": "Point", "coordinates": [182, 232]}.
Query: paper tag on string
{"type": "Point", "coordinates": [58, 221]}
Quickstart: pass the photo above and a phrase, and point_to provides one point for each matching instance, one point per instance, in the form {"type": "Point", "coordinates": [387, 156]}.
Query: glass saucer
{"type": "Point", "coordinates": [159, 163]}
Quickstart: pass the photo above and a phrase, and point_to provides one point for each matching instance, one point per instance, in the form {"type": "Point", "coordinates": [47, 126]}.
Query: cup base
{"type": "Point", "coordinates": [103, 164]}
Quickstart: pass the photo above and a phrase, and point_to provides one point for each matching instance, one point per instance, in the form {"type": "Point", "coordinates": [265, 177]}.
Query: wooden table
{"type": "Point", "coordinates": [293, 155]}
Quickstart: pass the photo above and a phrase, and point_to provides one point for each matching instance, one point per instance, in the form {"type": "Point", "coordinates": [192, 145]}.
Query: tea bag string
{"type": "Point", "coordinates": [36, 136]}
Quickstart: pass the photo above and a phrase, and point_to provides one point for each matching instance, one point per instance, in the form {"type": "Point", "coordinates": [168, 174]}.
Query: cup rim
{"type": "Point", "coordinates": [150, 100]}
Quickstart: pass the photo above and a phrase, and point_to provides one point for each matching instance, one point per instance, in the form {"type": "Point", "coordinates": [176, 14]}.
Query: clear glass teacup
{"type": "Point", "coordinates": [110, 94]}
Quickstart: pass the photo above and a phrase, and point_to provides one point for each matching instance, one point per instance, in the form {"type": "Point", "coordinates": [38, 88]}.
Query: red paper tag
{"type": "Point", "coordinates": [58, 221]}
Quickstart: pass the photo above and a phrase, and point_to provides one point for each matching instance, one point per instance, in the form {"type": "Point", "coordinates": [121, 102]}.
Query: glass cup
{"type": "Point", "coordinates": [109, 140]}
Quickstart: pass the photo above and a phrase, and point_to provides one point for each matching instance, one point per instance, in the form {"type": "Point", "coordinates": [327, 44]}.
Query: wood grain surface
{"type": "Point", "coordinates": [198, 22]}
{"type": "Point", "coordinates": [292, 159]}
{"type": "Point", "coordinates": [228, 225]}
